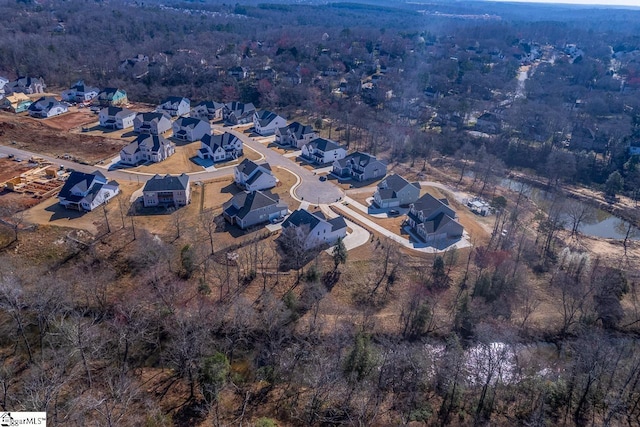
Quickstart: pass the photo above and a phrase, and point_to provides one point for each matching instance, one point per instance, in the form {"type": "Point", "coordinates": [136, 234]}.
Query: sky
{"type": "Point", "coordinates": [635, 3]}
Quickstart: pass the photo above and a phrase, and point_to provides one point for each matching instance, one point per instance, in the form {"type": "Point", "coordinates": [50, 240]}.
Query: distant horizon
{"type": "Point", "coordinates": [614, 3]}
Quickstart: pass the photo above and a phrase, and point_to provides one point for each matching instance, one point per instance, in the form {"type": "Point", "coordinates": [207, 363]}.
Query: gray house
{"type": "Point", "coordinates": [167, 191]}
{"type": "Point", "coordinates": [359, 166]}
{"type": "Point", "coordinates": [26, 85]}
{"type": "Point", "coordinates": [190, 129]}
{"type": "Point", "coordinates": [432, 219]}
{"type": "Point", "coordinates": [237, 113]}
{"type": "Point", "coordinates": [208, 110]}
{"type": "Point", "coordinates": [295, 135]}
{"type": "Point", "coordinates": [394, 191]}
{"type": "Point", "coordinates": [257, 207]}
{"type": "Point", "coordinates": [152, 123]}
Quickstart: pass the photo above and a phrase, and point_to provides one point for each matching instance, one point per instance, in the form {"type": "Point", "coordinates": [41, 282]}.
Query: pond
{"type": "Point", "coordinates": [602, 225]}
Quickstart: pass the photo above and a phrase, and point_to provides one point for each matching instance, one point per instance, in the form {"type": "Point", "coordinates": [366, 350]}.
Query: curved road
{"type": "Point", "coordinates": [310, 188]}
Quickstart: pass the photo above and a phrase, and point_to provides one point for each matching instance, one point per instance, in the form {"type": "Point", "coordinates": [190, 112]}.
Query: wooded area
{"type": "Point", "coordinates": [529, 327]}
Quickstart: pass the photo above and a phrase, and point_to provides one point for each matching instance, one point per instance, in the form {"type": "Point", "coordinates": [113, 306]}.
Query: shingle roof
{"type": "Point", "coordinates": [44, 104]}
{"type": "Point", "coordinates": [337, 223]}
{"type": "Point", "coordinates": [150, 117]}
{"type": "Point", "coordinates": [189, 122]}
{"type": "Point", "coordinates": [248, 166]}
{"type": "Point", "coordinates": [428, 203]}
{"type": "Point", "coordinates": [167, 183]}
{"type": "Point", "coordinates": [394, 182]}
{"type": "Point", "coordinates": [324, 145]}
{"type": "Point", "coordinates": [174, 100]}
{"type": "Point", "coordinates": [243, 203]}
{"type": "Point", "coordinates": [223, 140]}
{"type": "Point", "coordinates": [117, 111]}
{"type": "Point", "coordinates": [108, 92]}
{"type": "Point", "coordinates": [265, 117]}
{"type": "Point", "coordinates": [81, 181]}
{"type": "Point", "coordinates": [303, 217]}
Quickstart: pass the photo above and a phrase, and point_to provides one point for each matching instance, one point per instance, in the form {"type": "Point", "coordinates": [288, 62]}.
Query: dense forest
{"type": "Point", "coordinates": [529, 328]}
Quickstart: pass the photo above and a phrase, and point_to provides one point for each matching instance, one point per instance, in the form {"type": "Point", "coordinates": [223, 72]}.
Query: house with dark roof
{"type": "Point", "coordinates": [16, 103]}
{"type": "Point", "coordinates": [250, 176]}
{"type": "Point", "coordinates": [47, 106]}
{"type": "Point", "coordinates": [489, 123]}
{"type": "Point", "coordinates": [147, 148]}
{"type": "Point", "coordinates": [359, 166]}
{"type": "Point", "coordinates": [87, 191]}
{"type": "Point", "coordinates": [152, 123]}
{"type": "Point", "coordinates": [248, 209]}
{"type": "Point", "coordinates": [167, 190]}
{"type": "Point", "coordinates": [112, 97]}
{"type": "Point", "coordinates": [220, 147]}
{"type": "Point", "coordinates": [80, 93]}
{"type": "Point", "coordinates": [239, 73]}
{"type": "Point", "coordinates": [237, 113]}
{"type": "Point", "coordinates": [433, 219]}
{"type": "Point", "coordinates": [322, 151]}
{"type": "Point", "coordinates": [190, 129]}
{"type": "Point", "coordinates": [208, 110]}
{"type": "Point", "coordinates": [296, 135]}
{"type": "Point", "coordinates": [314, 228]}
{"type": "Point", "coordinates": [175, 106]}
{"type": "Point", "coordinates": [266, 122]}
{"type": "Point", "coordinates": [116, 118]}
{"type": "Point", "coordinates": [395, 191]}
{"type": "Point", "coordinates": [26, 85]}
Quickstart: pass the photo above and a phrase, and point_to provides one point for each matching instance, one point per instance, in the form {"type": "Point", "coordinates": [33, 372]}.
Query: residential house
{"type": "Point", "coordinates": [296, 135]}
{"type": "Point", "coordinates": [152, 123]}
{"type": "Point", "coordinates": [220, 147]}
{"type": "Point", "coordinates": [86, 191]}
{"type": "Point", "coordinates": [322, 151]}
{"type": "Point", "coordinates": [3, 82]}
{"type": "Point", "coordinates": [147, 148]}
{"type": "Point", "coordinates": [175, 106]}
{"type": "Point", "coordinates": [291, 78]}
{"type": "Point", "coordinates": [489, 123]}
{"type": "Point", "coordinates": [359, 166]}
{"type": "Point", "coordinates": [190, 129]}
{"type": "Point", "coordinates": [248, 209]}
{"type": "Point", "coordinates": [208, 110]}
{"type": "Point", "coordinates": [433, 219]}
{"type": "Point", "coordinates": [237, 113]}
{"type": "Point", "coordinates": [315, 229]}
{"type": "Point", "coordinates": [80, 93]}
{"type": "Point", "coordinates": [47, 106]}
{"type": "Point", "coordinates": [167, 191]}
{"type": "Point", "coordinates": [26, 85]}
{"type": "Point", "coordinates": [112, 97]}
{"type": "Point", "coordinates": [239, 73]}
{"type": "Point", "coordinates": [251, 176]}
{"type": "Point", "coordinates": [266, 122]}
{"type": "Point", "coordinates": [17, 102]}
{"type": "Point", "coordinates": [395, 191]}
{"type": "Point", "coordinates": [116, 118]}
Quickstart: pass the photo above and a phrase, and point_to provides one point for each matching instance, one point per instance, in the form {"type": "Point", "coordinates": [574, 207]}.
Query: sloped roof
{"type": "Point", "coordinates": [324, 145]}
{"type": "Point", "coordinates": [151, 117]}
{"type": "Point", "coordinates": [79, 180]}
{"type": "Point", "coordinates": [249, 202]}
{"type": "Point", "coordinates": [239, 108]}
{"type": "Point", "coordinates": [248, 166]}
{"type": "Point", "coordinates": [297, 129]}
{"type": "Point", "coordinates": [167, 183]}
{"type": "Point", "coordinates": [337, 223]}
{"type": "Point", "coordinates": [303, 217]}
{"type": "Point", "coordinates": [223, 140]}
{"type": "Point", "coordinates": [265, 117]}
{"type": "Point", "coordinates": [189, 122]}
{"type": "Point", "coordinates": [44, 104]}
{"type": "Point", "coordinates": [395, 182]}
{"type": "Point", "coordinates": [174, 100]}
{"type": "Point", "coordinates": [428, 203]}
{"type": "Point", "coordinates": [117, 111]}
{"type": "Point", "coordinates": [212, 105]}
{"type": "Point", "coordinates": [109, 92]}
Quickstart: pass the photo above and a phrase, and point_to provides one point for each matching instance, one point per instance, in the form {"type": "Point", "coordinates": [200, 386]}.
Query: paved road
{"type": "Point", "coordinates": [310, 187]}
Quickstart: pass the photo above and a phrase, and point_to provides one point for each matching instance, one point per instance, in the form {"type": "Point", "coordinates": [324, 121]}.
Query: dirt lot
{"type": "Point", "coordinates": [23, 132]}
{"type": "Point", "coordinates": [74, 118]}
{"type": "Point", "coordinates": [10, 169]}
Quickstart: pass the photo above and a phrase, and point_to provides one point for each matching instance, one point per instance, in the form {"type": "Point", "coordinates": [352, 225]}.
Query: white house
{"type": "Point", "coordinates": [266, 122]}
{"type": "Point", "coordinates": [295, 135]}
{"type": "Point", "coordinates": [237, 113]}
{"type": "Point", "coordinates": [208, 110]}
{"type": "Point", "coordinates": [80, 93]}
{"type": "Point", "coordinates": [322, 151]}
{"type": "Point", "coordinates": [190, 129]}
{"type": "Point", "coordinates": [167, 191]}
{"type": "Point", "coordinates": [86, 191]}
{"type": "Point", "coordinates": [147, 148]}
{"type": "Point", "coordinates": [3, 82]}
{"type": "Point", "coordinates": [47, 106]}
{"type": "Point", "coordinates": [152, 123]}
{"type": "Point", "coordinates": [175, 106]}
{"type": "Point", "coordinates": [359, 166]}
{"type": "Point", "coordinates": [314, 228]}
{"type": "Point", "coordinates": [116, 118]}
{"type": "Point", "coordinates": [220, 147]}
{"type": "Point", "coordinates": [251, 176]}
